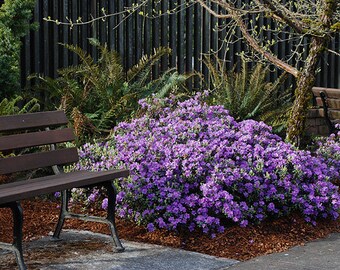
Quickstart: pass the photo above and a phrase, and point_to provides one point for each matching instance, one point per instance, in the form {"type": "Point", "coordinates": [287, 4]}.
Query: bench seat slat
{"type": "Point", "coordinates": [34, 187]}
{"type": "Point", "coordinates": [32, 120]}
{"type": "Point", "coordinates": [38, 160]}
{"type": "Point", "coordinates": [18, 141]}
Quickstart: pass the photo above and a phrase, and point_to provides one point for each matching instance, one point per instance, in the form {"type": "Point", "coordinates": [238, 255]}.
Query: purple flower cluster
{"type": "Point", "coordinates": [329, 151]}
{"type": "Point", "coordinates": [194, 166]}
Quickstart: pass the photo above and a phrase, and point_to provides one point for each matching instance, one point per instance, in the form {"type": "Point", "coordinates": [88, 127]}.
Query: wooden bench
{"type": "Point", "coordinates": [328, 99]}
{"type": "Point", "coordinates": [44, 131]}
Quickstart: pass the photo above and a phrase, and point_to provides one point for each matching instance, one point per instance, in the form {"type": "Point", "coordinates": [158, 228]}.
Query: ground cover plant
{"type": "Point", "coordinates": [193, 166]}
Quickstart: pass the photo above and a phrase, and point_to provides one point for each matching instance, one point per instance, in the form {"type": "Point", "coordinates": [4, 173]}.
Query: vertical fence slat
{"type": "Point", "coordinates": [121, 32]}
{"type": "Point", "coordinates": [83, 28]}
{"type": "Point", "coordinates": [55, 46]}
{"type": "Point", "coordinates": [180, 33]}
{"type": "Point", "coordinates": [75, 30]}
{"type": "Point", "coordinates": [26, 61]}
{"type": "Point", "coordinates": [147, 28]}
{"type": "Point", "coordinates": [197, 43]}
{"type": "Point", "coordinates": [46, 49]}
{"type": "Point", "coordinates": [130, 46]}
{"type": "Point", "coordinates": [164, 33]}
{"type": "Point", "coordinates": [65, 33]}
{"type": "Point", "coordinates": [155, 34]}
{"type": "Point", "coordinates": [188, 31]}
{"type": "Point", "coordinates": [103, 25]}
{"type": "Point", "coordinates": [221, 36]}
{"type": "Point", "coordinates": [111, 25]}
{"type": "Point", "coordinates": [214, 30]}
{"type": "Point", "coordinates": [93, 30]}
{"type": "Point", "coordinates": [172, 33]}
{"type": "Point", "coordinates": [139, 34]}
{"type": "Point", "coordinates": [37, 36]}
{"type": "Point", "coordinates": [206, 43]}
{"type": "Point", "coordinates": [189, 43]}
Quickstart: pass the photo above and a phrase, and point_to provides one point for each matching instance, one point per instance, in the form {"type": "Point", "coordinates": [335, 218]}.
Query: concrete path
{"type": "Point", "coordinates": [85, 251]}
{"type": "Point", "coordinates": [323, 254]}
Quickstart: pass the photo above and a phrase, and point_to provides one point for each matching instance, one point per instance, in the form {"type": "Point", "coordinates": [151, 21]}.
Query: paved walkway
{"type": "Point", "coordinates": [85, 250]}
{"type": "Point", "coordinates": [322, 254]}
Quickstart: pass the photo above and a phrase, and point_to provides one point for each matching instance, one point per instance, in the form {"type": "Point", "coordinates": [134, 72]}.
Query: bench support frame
{"type": "Point", "coordinates": [109, 220]}
{"type": "Point", "coordinates": [16, 246]}
{"type": "Point", "coordinates": [331, 127]}
{"type": "Point", "coordinates": [17, 213]}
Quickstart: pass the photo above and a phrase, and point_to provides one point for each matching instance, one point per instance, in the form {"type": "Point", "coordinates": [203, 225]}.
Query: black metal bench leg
{"type": "Point", "coordinates": [65, 197]}
{"type": "Point", "coordinates": [111, 209]}
{"type": "Point", "coordinates": [331, 127]}
{"type": "Point", "coordinates": [17, 233]}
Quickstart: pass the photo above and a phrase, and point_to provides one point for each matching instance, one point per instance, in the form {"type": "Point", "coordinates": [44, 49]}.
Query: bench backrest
{"type": "Point", "coordinates": [29, 130]}
{"type": "Point", "coordinates": [332, 96]}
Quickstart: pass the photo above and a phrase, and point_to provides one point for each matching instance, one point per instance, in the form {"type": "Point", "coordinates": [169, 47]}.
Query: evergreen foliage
{"type": "Point", "coordinates": [11, 106]}
{"type": "Point", "coordinates": [14, 24]}
{"type": "Point", "coordinates": [96, 95]}
{"type": "Point", "coordinates": [248, 95]}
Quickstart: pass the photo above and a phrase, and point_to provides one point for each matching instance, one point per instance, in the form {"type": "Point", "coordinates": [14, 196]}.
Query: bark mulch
{"type": "Point", "coordinates": [237, 243]}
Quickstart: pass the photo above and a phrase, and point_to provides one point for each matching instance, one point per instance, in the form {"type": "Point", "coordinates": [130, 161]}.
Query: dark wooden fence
{"type": "Point", "coordinates": [189, 32]}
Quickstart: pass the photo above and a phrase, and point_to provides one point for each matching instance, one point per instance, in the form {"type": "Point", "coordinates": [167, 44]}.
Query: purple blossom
{"type": "Point", "coordinates": [105, 203]}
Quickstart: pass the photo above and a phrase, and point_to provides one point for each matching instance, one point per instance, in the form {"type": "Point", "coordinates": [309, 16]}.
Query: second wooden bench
{"type": "Point", "coordinates": [328, 99]}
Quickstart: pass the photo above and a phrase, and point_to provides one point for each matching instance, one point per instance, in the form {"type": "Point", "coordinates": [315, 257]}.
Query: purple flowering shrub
{"type": "Point", "coordinates": [92, 157]}
{"type": "Point", "coordinates": [194, 166]}
{"type": "Point", "coordinates": [329, 151]}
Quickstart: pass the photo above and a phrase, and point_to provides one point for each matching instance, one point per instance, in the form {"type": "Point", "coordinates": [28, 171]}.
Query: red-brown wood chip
{"type": "Point", "coordinates": [238, 243]}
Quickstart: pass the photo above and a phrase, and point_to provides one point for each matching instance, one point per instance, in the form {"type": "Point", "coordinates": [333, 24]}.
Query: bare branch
{"type": "Point", "coordinates": [285, 15]}
{"type": "Point", "coordinates": [237, 17]}
{"type": "Point", "coordinates": [334, 52]}
{"type": "Point", "coordinates": [268, 55]}
{"type": "Point", "coordinates": [214, 13]}
{"type": "Point", "coordinates": [79, 22]}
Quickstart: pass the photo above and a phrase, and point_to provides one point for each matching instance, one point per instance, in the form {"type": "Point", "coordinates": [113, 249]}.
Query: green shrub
{"type": "Point", "coordinates": [9, 59]}
{"type": "Point", "coordinates": [14, 24]}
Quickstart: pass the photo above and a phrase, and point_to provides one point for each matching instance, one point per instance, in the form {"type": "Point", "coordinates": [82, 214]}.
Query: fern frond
{"type": "Point", "coordinates": [8, 107]}
{"type": "Point", "coordinates": [247, 94]}
{"type": "Point", "coordinates": [147, 61]}
{"type": "Point", "coordinates": [215, 76]}
{"type": "Point", "coordinates": [84, 57]}
{"type": "Point", "coordinates": [31, 106]}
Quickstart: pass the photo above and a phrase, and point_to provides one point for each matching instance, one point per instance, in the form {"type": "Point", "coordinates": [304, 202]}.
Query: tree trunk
{"type": "Point", "coordinates": [303, 91]}
{"type": "Point", "coordinates": [306, 80]}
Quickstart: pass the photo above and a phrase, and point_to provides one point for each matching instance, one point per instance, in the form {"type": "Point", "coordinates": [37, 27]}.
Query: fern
{"type": "Point", "coordinates": [146, 62]}
{"type": "Point", "coordinates": [11, 106]}
{"type": "Point", "coordinates": [96, 95]}
{"type": "Point", "coordinates": [247, 94]}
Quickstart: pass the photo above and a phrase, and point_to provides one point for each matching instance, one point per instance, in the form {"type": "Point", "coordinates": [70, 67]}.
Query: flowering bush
{"type": "Point", "coordinates": [329, 151]}
{"type": "Point", "coordinates": [194, 166]}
